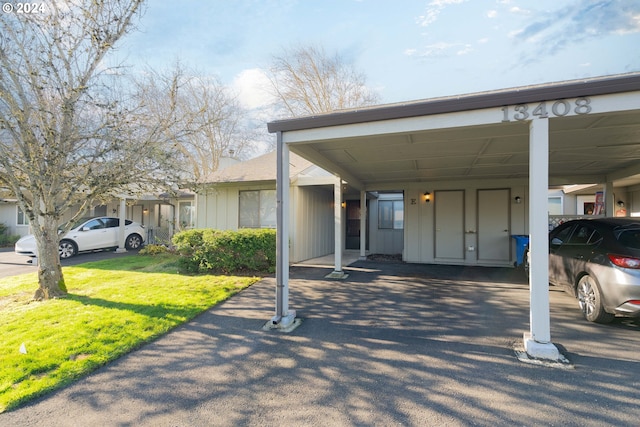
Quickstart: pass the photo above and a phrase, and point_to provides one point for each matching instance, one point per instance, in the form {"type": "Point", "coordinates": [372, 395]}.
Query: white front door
{"type": "Point", "coordinates": [449, 212]}
{"type": "Point", "coordinates": [494, 225]}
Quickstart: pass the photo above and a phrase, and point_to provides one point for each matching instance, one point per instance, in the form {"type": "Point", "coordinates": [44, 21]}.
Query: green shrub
{"type": "Point", "coordinates": [7, 239]}
{"type": "Point", "coordinates": [245, 250]}
{"type": "Point", "coordinates": [153, 250]}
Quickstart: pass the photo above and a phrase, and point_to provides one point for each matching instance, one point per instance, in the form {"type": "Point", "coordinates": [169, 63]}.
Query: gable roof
{"type": "Point", "coordinates": [262, 168]}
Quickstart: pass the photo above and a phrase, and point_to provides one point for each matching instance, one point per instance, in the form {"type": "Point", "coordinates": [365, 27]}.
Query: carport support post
{"type": "Point", "coordinates": [284, 318]}
{"type": "Point", "coordinates": [122, 216]}
{"type": "Point", "coordinates": [363, 225]}
{"type": "Point", "coordinates": [537, 342]}
{"type": "Point", "coordinates": [337, 273]}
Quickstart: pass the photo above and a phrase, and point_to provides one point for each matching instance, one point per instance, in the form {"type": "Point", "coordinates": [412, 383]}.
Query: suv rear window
{"type": "Point", "coordinates": [630, 238]}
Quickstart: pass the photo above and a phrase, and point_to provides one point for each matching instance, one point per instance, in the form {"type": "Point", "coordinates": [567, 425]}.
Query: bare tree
{"type": "Point", "coordinates": [307, 81]}
{"type": "Point", "coordinates": [68, 136]}
{"type": "Point", "coordinates": [208, 118]}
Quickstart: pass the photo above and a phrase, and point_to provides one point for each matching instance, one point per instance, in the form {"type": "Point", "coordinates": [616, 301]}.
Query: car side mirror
{"type": "Point", "coordinates": [556, 241]}
{"type": "Point", "coordinates": [85, 229]}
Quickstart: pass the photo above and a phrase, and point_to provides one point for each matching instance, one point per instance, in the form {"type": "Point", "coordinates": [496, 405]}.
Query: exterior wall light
{"type": "Point", "coordinates": [518, 199]}
{"type": "Point", "coordinates": [427, 196]}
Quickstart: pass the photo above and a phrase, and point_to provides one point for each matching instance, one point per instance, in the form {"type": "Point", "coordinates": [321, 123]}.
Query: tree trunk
{"type": "Point", "coordinates": [50, 279]}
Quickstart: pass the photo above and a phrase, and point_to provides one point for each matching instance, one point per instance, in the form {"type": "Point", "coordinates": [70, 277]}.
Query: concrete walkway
{"type": "Point", "coordinates": [394, 344]}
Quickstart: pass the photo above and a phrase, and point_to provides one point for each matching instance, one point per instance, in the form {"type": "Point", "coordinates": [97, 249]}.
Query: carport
{"type": "Point", "coordinates": [575, 132]}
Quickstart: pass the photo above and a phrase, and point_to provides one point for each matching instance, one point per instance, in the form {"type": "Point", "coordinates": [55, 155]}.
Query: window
{"type": "Point", "coordinates": [555, 205]}
{"type": "Point", "coordinates": [23, 219]}
{"type": "Point", "coordinates": [112, 222]}
{"type": "Point", "coordinates": [186, 214]}
{"type": "Point", "coordinates": [95, 224]}
{"type": "Point", "coordinates": [100, 210]}
{"type": "Point", "coordinates": [257, 209]}
{"type": "Point", "coordinates": [581, 235]}
{"type": "Point", "coordinates": [391, 214]}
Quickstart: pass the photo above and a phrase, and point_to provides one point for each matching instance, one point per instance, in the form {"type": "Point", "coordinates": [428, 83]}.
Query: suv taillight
{"type": "Point", "coordinates": [624, 261]}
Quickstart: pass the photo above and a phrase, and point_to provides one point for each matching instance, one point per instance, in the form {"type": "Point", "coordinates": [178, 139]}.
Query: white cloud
{"type": "Point", "coordinates": [252, 86]}
{"type": "Point", "coordinates": [518, 11]}
{"type": "Point", "coordinates": [492, 14]}
{"type": "Point", "coordinates": [433, 11]}
{"type": "Point", "coordinates": [553, 31]}
{"type": "Point", "coordinates": [464, 51]}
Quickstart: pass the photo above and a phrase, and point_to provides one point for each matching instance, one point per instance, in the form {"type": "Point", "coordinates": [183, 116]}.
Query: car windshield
{"type": "Point", "coordinates": [76, 224]}
{"type": "Point", "coordinates": [630, 238]}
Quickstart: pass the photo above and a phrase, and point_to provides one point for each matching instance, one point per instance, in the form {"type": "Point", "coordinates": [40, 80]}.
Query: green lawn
{"type": "Point", "coordinates": [113, 307]}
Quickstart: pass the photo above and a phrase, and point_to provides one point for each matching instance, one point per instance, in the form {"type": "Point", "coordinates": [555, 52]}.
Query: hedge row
{"type": "Point", "coordinates": [226, 251]}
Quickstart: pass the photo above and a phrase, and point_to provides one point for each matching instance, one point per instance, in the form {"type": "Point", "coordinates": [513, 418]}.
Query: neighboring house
{"type": "Point", "coordinates": [162, 214]}
{"type": "Point", "coordinates": [587, 200]}
{"type": "Point", "coordinates": [13, 218]}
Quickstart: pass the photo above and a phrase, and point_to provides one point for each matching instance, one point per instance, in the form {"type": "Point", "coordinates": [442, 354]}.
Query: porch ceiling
{"type": "Point", "coordinates": [583, 149]}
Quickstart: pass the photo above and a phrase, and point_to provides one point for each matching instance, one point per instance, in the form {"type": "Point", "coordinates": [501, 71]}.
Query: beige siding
{"type": "Point", "coordinates": [419, 218]}
{"type": "Point", "coordinates": [312, 228]}
{"type": "Point", "coordinates": [218, 208]}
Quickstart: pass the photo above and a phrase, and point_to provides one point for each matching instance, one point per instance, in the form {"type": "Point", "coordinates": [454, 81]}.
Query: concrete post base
{"type": "Point", "coordinates": [283, 323]}
{"type": "Point", "coordinates": [121, 250]}
{"type": "Point", "coordinates": [543, 351]}
{"type": "Point", "coordinates": [339, 275]}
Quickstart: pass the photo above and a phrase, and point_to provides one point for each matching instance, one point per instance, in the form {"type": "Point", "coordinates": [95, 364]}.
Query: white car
{"type": "Point", "coordinates": [89, 234]}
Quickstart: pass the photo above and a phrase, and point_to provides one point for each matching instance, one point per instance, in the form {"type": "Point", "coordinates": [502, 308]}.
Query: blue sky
{"type": "Point", "coordinates": [408, 49]}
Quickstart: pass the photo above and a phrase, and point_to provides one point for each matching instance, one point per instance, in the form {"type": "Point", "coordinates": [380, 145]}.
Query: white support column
{"type": "Point", "coordinates": [363, 225]}
{"type": "Point", "coordinates": [123, 215]}
{"type": "Point", "coordinates": [537, 342]}
{"type": "Point", "coordinates": [284, 318]}
{"type": "Point", "coordinates": [609, 200]}
{"type": "Point", "coordinates": [337, 220]}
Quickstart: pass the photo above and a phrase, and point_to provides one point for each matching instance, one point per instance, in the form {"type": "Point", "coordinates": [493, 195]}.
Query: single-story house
{"type": "Point", "coordinates": [161, 214]}
{"type": "Point", "coordinates": [473, 170]}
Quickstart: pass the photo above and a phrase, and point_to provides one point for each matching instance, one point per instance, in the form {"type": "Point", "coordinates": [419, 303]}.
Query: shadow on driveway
{"type": "Point", "coordinates": [394, 344]}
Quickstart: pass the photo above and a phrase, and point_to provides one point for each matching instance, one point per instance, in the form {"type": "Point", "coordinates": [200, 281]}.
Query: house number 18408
{"type": "Point", "coordinates": [559, 108]}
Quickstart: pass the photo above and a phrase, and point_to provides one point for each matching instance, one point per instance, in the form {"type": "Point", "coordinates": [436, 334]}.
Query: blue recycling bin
{"type": "Point", "coordinates": [522, 241]}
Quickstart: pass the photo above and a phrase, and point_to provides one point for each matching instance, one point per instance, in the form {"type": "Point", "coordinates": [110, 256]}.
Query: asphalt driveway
{"type": "Point", "coordinates": [393, 344]}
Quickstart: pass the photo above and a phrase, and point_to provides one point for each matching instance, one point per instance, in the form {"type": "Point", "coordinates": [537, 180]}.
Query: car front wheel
{"type": "Point", "coordinates": [590, 301]}
{"type": "Point", "coordinates": [133, 241]}
{"type": "Point", "coordinates": [67, 249]}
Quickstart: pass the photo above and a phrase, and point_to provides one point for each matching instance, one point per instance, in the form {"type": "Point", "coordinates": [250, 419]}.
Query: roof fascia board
{"type": "Point", "coordinates": [305, 181]}
{"type": "Point", "coordinates": [489, 116]}
{"type": "Point", "coordinates": [395, 126]}
{"type": "Point", "coordinates": [624, 173]}
{"type": "Point", "coordinates": [559, 180]}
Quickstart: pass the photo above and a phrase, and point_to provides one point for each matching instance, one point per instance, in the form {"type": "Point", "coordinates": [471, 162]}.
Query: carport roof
{"type": "Point", "coordinates": [433, 139]}
{"type": "Point", "coordinates": [474, 101]}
